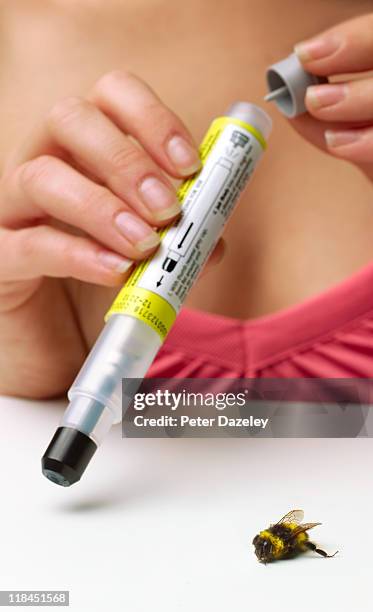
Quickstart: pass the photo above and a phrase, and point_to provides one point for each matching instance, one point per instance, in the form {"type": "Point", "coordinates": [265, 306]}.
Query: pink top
{"type": "Point", "coordinates": [327, 336]}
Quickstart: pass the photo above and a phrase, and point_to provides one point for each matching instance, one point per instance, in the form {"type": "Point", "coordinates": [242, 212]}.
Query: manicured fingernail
{"type": "Point", "coordinates": [317, 48]}
{"type": "Point", "coordinates": [160, 199]}
{"type": "Point", "coordinates": [167, 213]}
{"type": "Point", "coordinates": [114, 262]}
{"type": "Point", "coordinates": [321, 96]}
{"type": "Point", "coordinates": [183, 155]}
{"type": "Point", "coordinates": [336, 139]}
{"type": "Point", "coordinates": [137, 231]}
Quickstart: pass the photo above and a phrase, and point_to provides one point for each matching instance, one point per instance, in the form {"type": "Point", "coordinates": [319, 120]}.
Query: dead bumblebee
{"type": "Point", "coordinates": [286, 539]}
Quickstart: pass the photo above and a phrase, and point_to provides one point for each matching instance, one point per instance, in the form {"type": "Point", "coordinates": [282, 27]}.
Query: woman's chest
{"type": "Point", "coordinates": [198, 61]}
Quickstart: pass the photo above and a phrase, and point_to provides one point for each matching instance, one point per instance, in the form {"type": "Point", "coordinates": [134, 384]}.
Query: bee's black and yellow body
{"type": "Point", "coordinates": [285, 539]}
{"type": "Point", "coordinates": [280, 542]}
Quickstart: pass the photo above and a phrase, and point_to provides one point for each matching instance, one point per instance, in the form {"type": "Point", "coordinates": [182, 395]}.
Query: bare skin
{"type": "Point", "coordinates": [305, 223]}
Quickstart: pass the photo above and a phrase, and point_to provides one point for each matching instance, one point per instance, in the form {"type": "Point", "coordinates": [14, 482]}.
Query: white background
{"type": "Point", "coordinates": [167, 524]}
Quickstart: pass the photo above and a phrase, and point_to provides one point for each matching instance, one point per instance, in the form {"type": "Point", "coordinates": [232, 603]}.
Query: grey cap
{"type": "Point", "coordinates": [287, 84]}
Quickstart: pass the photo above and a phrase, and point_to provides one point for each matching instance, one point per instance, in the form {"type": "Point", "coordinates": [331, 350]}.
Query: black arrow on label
{"type": "Point", "coordinates": [160, 281]}
{"type": "Point", "coordinates": [185, 235]}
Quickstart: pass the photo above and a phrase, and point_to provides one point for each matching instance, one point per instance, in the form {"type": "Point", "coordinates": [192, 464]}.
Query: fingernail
{"type": "Point", "coordinates": [160, 199]}
{"type": "Point", "coordinates": [322, 96]}
{"type": "Point", "coordinates": [137, 231]}
{"type": "Point", "coordinates": [114, 262]}
{"type": "Point", "coordinates": [317, 48]}
{"type": "Point", "coordinates": [183, 156]}
{"type": "Point", "coordinates": [339, 139]}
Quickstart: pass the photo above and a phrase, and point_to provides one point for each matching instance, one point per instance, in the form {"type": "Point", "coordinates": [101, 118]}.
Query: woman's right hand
{"type": "Point", "coordinates": [81, 199]}
{"type": "Point", "coordinates": [340, 114]}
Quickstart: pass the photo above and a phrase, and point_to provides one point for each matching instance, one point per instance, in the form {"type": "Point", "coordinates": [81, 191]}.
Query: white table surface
{"type": "Point", "coordinates": [167, 524]}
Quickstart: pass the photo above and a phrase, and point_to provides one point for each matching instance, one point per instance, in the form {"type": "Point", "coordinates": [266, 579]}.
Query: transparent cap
{"type": "Point", "coordinates": [253, 115]}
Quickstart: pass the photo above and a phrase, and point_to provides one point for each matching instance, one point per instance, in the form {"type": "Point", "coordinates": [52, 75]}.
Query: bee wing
{"type": "Point", "coordinates": [303, 527]}
{"type": "Point", "coordinates": [294, 516]}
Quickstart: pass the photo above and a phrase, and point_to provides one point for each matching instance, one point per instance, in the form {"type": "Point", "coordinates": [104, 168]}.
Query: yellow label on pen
{"type": "Point", "coordinates": [157, 288]}
{"type": "Point", "coordinates": [148, 307]}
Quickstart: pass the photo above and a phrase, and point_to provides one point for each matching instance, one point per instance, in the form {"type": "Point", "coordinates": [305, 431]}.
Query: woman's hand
{"type": "Point", "coordinates": [83, 169]}
{"type": "Point", "coordinates": [81, 200]}
{"type": "Point", "coordinates": [340, 119]}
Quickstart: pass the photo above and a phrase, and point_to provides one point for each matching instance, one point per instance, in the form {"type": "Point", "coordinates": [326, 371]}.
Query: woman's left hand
{"type": "Point", "coordinates": [340, 118]}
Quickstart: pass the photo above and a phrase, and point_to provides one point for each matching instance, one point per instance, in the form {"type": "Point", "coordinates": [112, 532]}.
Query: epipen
{"type": "Point", "coordinates": [147, 305]}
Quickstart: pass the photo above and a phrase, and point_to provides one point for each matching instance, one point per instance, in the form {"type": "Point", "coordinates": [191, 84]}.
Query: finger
{"type": "Point", "coordinates": [215, 257]}
{"type": "Point", "coordinates": [354, 145]}
{"type": "Point", "coordinates": [138, 111]}
{"type": "Point", "coordinates": [45, 251]}
{"type": "Point", "coordinates": [48, 187]}
{"type": "Point", "coordinates": [347, 47]}
{"type": "Point", "coordinates": [317, 132]}
{"type": "Point", "coordinates": [314, 130]}
{"type": "Point", "coordinates": [105, 152]}
{"type": "Point", "coordinates": [352, 102]}
{"type": "Point", "coordinates": [217, 254]}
